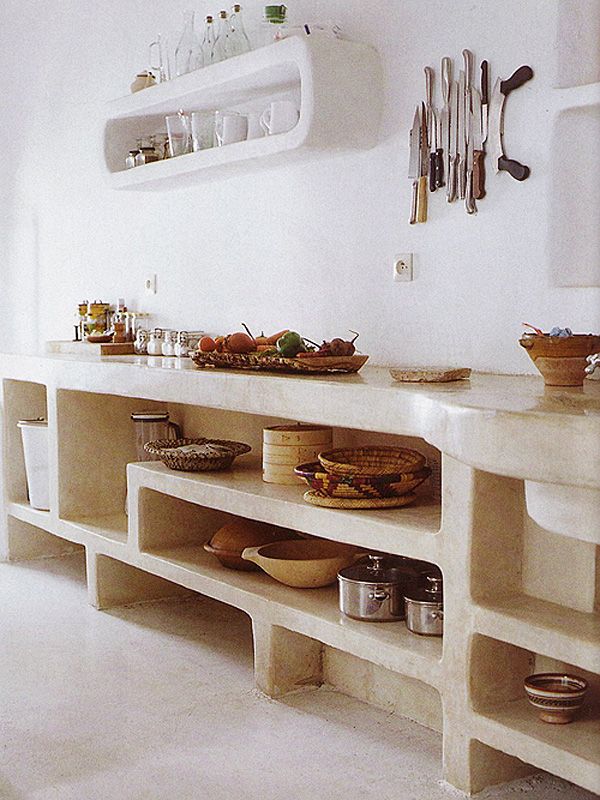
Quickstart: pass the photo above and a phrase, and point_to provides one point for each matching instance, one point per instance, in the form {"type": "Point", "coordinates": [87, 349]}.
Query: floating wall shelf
{"type": "Point", "coordinates": [337, 84]}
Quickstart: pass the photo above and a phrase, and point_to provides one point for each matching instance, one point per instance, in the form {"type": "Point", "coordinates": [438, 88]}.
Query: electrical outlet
{"type": "Point", "coordinates": [150, 284]}
{"type": "Point", "coordinates": [403, 267]}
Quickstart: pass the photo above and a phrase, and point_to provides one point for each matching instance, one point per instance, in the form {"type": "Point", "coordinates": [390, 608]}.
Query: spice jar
{"type": "Point", "coordinates": [154, 347]}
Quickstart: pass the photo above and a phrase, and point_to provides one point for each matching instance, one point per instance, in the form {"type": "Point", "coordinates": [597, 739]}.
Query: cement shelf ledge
{"type": "Point", "coordinates": [571, 751]}
{"type": "Point", "coordinates": [537, 625]}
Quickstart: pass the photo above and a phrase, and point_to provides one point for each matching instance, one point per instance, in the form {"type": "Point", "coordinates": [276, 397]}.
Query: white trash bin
{"type": "Point", "coordinates": [34, 433]}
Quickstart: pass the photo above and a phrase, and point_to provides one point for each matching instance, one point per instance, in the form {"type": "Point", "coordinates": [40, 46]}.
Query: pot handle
{"type": "Point", "coordinates": [251, 554]}
{"type": "Point", "coordinates": [437, 614]}
{"type": "Point", "coordinates": [378, 595]}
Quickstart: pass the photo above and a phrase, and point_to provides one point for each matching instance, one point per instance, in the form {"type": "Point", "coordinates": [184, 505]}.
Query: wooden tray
{"type": "Point", "coordinates": [429, 374]}
{"type": "Point", "coordinates": [318, 365]}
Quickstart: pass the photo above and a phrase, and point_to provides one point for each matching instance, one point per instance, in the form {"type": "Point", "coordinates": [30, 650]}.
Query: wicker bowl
{"type": "Point", "coordinates": [372, 462]}
{"type": "Point", "coordinates": [357, 486]}
{"type": "Point", "coordinates": [166, 450]}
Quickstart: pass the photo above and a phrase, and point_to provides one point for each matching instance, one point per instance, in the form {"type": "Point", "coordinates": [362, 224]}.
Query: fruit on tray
{"type": "Point", "coordinates": [284, 344]}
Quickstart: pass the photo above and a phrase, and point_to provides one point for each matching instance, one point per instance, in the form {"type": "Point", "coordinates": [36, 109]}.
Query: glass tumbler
{"type": "Point", "coordinates": [203, 130]}
{"type": "Point", "coordinates": [179, 133]}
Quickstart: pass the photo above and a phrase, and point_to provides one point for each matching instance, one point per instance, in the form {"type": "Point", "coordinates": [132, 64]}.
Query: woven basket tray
{"type": "Point", "coordinates": [314, 366]}
{"type": "Point", "coordinates": [317, 499]}
{"type": "Point", "coordinates": [358, 487]}
{"type": "Point", "coordinates": [372, 462]}
{"type": "Point", "coordinates": [196, 462]}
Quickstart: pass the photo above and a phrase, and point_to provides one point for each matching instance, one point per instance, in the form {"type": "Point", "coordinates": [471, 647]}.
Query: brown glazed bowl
{"type": "Point", "coordinates": [228, 542]}
{"type": "Point", "coordinates": [561, 359]}
{"type": "Point", "coordinates": [556, 696]}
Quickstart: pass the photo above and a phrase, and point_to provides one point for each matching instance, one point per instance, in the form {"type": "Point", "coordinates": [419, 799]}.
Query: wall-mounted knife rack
{"type": "Point", "coordinates": [448, 146]}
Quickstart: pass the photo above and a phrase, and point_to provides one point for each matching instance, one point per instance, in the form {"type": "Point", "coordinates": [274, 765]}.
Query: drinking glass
{"type": "Point", "coordinates": [178, 131]}
{"type": "Point", "coordinates": [203, 130]}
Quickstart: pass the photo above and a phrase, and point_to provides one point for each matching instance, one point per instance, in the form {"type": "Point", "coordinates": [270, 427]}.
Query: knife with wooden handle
{"type": "Point", "coordinates": [478, 151]}
{"type": "Point", "coordinates": [413, 163]}
{"type": "Point", "coordinates": [431, 128]}
{"type": "Point", "coordinates": [423, 166]}
{"type": "Point", "coordinates": [496, 123]}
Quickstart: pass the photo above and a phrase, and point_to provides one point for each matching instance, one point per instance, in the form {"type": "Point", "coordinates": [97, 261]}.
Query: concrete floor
{"type": "Point", "coordinates": [156, 702]}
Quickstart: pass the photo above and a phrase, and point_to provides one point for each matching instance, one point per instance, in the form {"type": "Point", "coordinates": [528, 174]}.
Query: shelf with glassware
{"type": "Point", "coordinates": [335, 85]}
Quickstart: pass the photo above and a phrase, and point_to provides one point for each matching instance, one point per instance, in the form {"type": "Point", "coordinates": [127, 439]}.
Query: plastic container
{"type": "Point", "coordinates": [34, 433]}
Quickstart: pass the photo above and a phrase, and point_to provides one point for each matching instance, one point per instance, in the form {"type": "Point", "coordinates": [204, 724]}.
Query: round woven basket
{"type": "Point", "coordinates": [372, 462]}
{"type": "Point", "coordinates": [196, 462]}
{"type": "Point", "coordinates": [358, 486]}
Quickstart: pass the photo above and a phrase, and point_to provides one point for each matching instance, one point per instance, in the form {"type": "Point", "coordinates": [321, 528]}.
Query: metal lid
{"type": "Point", "coordinates": [38, 422]}
{"type": "Point", "coordinates": [431, 592]}
{"type": "Point", "coordinates": [150, 416]}
{"type": "Point", "coordinates": [376, 569]}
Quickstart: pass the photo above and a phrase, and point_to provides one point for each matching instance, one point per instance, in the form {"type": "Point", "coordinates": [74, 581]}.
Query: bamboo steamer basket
{"type": "Point", "coordinates": [286, 446]}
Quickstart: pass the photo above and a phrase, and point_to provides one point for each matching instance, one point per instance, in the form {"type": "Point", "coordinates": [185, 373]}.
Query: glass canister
{"type": "Point", "coordinates": [150, 426]}
{"type": "Point", "coordinates": [154, 346]}
{"type": "Point", "coordinates": [141, 341]}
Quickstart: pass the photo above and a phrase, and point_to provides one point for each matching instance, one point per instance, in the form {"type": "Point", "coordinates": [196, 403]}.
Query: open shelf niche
{"type": "Point", "coordinates": [337, 85]}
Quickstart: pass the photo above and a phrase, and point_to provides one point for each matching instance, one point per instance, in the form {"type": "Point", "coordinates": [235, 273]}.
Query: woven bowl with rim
{"type": "Point", "coordinates": [372, 462]}
{"type": "Point", "coordinates": [166, 450]}
{"type": "Point", "coordinates": [357, 486]}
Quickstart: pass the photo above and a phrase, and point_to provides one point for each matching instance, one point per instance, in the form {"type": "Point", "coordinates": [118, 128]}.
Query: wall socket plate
{"type": "Point", "coordinates": [150, 284]}
{"type": "Point", "coordinates": [403, 267]}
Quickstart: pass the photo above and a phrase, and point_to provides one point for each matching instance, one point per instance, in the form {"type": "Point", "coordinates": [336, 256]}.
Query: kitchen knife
{"type": "Point", "coordinates": [468, 62]}
{"type": "Point", "coordinates": [423, 166]}
{"type": "Point", "coordinates": [452, 147]}
{"type": "Point", "coordinates": [470, 205]}
{"type": "Point", "coordinates": [485, 88]}
{"type": "Point", "coordinates": [439, 154]}
{"type": "Point", "coordinates": [461, 142]}
{"type": "Point", "coordinates": [496, 123]}
{"type": "Point", "coordinates": [478, 152]}
{"type": "Point", "coordinates": [431, 126]}
{"type": "Point", "coordinates": [445, 115]}
{"type": "Point", "coordinates": [413, 163]}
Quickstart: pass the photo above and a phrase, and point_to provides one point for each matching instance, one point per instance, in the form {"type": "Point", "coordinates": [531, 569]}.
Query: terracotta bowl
{"type": "Point", "coordinates": [561, 359]}
{"type": "Point", "coordinates": [556, 696]}
{"type": "Point", "coordinates": [357, 486]}
{"type": "Point", "coordinates": [228, 542]}
{"type": "Point", "coordinates": [304, 564]}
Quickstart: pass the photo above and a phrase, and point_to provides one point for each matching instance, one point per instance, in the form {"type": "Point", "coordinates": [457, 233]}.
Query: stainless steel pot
{"type": "Point", "coordinates": [425, 608]}
{"type": "Point", "coordinates": [373, 590]}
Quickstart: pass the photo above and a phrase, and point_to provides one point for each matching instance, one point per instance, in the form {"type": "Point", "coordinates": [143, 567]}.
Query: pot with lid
{"type": "Point", "coordinates": [373, 590]}
{"type": "Point", "coordinates": [425, 607]}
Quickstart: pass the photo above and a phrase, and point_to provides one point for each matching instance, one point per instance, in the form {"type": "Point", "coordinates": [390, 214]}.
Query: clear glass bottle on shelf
{"type": "Point", "coordinates": [222, 46]}
{"type": "Point", "coordinates": [239, 41]}
{"type": "Point", "coordinates": [274, 25]}
{"type": "Point", "coordinates": [188, 50]}
{"type": "Point", "coordinates": [208, 42]}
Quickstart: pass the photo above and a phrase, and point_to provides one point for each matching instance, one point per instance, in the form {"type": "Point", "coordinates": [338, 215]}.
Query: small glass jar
{"type": "Point", "coordinates": [154, 347]}
{"type": "Point", "coordinates": [141, 341]}
{"type": "Point", "coordinates": [274, 25]}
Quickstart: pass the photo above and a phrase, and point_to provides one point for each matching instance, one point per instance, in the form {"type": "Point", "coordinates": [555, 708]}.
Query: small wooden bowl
{"type": "Point", "coordinates": [561, 359]}
{"type": "Point", "coordinates": [557, 697]}
{"type": "Point", "coordinates": [231, 539]}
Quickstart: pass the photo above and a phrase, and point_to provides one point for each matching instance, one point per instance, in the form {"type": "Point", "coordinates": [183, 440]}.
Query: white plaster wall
{"type": "Point", "coordinates": [308, 246]}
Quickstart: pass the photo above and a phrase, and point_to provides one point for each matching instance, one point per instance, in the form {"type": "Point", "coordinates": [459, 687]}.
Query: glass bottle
{"type": "Point", "coordinates": [208, 42]}
{"type": "Point", "coordinates": [188, 48]}
{"type": "Point", "coordinates": [240, 43]}
{"type": "Point", "coordinates": [222, 47]}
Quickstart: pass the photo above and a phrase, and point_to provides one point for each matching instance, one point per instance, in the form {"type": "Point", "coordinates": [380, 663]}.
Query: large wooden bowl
{"type": "Point", "coordinates": [561, 359]}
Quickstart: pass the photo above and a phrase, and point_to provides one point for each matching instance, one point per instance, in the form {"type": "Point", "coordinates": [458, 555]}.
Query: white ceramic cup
{"type": "Point", "coordinates": [255, 130]}
{"type": "Point", "coordinates": [230, 127]}
{"type": "Point", "coordinates": [281, 116]}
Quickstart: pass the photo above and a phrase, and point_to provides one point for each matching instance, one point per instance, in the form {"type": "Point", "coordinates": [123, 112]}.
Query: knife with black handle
{"type": "Point", "coordinates": [496, 123]}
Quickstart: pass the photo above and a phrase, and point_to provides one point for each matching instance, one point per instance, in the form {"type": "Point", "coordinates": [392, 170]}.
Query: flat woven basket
{"type": "Point", "coordinates": [196, 462]}
{"type": "Point", "coordinates": [250, 361]}
{"type": "Point", "coordinates": [372, 462]}
{"type": "Point", "coordinates": [317, 499]}
{"type": "Point", "coordinates": [357, 486]}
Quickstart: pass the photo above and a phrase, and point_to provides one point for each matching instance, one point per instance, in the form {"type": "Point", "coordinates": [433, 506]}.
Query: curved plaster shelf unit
{"type": "Point", "coordinates": [338, 85]}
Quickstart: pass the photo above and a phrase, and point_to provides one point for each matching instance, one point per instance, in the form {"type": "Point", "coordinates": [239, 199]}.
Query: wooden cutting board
{"type": "Point", "coordinates": [429, 374]}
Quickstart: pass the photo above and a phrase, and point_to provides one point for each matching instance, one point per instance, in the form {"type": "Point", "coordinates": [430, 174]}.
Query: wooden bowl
{"type": "Point", "coordinates": [557, 697]}
{"type": "Point", "coordinates": [561, 359]}
{"type": "Point", "coordinates": [231, 539]}
{"type": "Point", "coordinates": [306, 564]}
{"type": "Point", "coordinates": [372, 462]}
